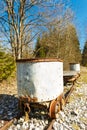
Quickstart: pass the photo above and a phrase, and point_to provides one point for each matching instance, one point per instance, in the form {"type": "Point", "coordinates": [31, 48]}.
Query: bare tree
{"type": "Point", "coordinates": [22, 20]}
{"type": "Point", "coordinates": [52, 41]}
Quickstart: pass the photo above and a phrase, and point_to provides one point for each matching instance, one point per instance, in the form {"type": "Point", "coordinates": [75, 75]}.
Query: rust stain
{"type": "Point", "coordinates": [27, 99]}
{"type": "Point", "coordinates": [40, 60]}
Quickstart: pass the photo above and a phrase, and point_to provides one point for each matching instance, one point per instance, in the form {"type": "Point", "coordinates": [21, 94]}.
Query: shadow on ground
{"type": "Point", "coordinates": [8, 107]}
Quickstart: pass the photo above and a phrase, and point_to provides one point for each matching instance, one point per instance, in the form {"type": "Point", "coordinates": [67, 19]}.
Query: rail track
{"type": "Point", "coordinates": [7, 124]}
{"type": "Point", "coordinates": [67, 79]}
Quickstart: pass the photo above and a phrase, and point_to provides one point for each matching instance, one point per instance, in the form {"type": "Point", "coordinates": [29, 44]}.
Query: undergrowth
{"type": "Point", "coordinates": [7, 65]}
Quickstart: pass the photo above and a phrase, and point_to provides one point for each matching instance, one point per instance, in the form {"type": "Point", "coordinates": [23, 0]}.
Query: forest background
{"type": "Point", "coordinates": [38, 29]}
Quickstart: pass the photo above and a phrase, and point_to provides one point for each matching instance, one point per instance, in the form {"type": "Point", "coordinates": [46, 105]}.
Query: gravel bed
{"type": "Point", "coordinates": [73, 116]}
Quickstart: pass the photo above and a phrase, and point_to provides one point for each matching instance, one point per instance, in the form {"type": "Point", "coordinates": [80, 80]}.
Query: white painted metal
{"type": "Point", "coordinates": [69, 73]}
{"type": "Point", "coordinates": [43, 80]}
{"type": "Point", "coordinates": [75, 67]}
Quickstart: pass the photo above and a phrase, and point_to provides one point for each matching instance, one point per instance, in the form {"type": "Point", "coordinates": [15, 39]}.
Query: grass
{"type": "Point", "coordinates": [83, 77]}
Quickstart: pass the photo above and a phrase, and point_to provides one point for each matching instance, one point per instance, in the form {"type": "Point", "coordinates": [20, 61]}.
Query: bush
{"type": "Point", "coordinates": [7, 64]}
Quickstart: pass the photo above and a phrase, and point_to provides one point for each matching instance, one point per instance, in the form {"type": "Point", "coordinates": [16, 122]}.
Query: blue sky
{"type": "Point", "coordinates": [80, 11]}
{"type": "Point", "coordinates": [79, 8]}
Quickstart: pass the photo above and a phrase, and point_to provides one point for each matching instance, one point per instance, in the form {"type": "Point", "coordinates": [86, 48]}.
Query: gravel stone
{"type": "Point", "coordinates": [73, 116]}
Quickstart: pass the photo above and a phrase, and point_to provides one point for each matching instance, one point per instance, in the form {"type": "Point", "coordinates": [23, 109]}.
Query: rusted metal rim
{"type": "Point", "coordinates": [54, 108]}
{"type": "Point", "coordinates": [74, 63]}
{"type": "Point", "coordinates": [40, 60]}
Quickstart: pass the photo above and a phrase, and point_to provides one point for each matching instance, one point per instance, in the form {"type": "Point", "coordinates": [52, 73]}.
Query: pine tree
{"type": "Point", "coordinates": [84, 55]}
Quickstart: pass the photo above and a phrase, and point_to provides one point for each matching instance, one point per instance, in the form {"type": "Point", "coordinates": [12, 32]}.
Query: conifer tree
{"type": "Point", "coordinates": [84, 55]}
{"type": "Point", "coordinates": [61, 43]}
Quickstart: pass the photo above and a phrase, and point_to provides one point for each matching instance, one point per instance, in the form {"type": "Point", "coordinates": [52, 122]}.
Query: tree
{"type": "Point", "coordinates": [72, 52]}
{"type": "Point", "coordinates": [84, 55]}
{"type": "Point", "coordinates": [7, 64]}
{"type": "Point", "coordinates": [22, 20]}
{"type": "Point", "coordinates": [61, 43]}
{"type": "Point", "coordinates": [41, 48]}
{"type": "Point", "coordinates": [72, 46]}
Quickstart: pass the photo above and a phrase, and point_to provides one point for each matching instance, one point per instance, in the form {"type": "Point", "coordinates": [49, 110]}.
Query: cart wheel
{"type": "Point", "coordinates": [54, 108]}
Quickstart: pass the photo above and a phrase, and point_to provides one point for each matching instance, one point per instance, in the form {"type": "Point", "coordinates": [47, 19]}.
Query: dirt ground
{"type": "Point", "coordinates": [9, 87]}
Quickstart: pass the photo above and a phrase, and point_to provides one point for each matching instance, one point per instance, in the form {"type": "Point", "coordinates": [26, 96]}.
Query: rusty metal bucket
{"type": "Point", "coordinates": [40, 79]}
{"type": "Point", "coordinates": [75, 67]}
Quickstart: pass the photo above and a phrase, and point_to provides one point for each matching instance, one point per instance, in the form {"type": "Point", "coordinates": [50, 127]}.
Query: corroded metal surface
{"type": "Point", "coordinates": [56, 106]}
{"type": "Point", "coordinates": [7, 125]}
{"type": "Point", "coordinates": [51, 125]}
{"type": "Point", "coordinates": [73, 80]}
{"type": "Point", "coordinates": [40, 80]}
{"type": "Point", "coordinates": [39, 60]}
{"type": "Point", "coordinates": [70, 76]}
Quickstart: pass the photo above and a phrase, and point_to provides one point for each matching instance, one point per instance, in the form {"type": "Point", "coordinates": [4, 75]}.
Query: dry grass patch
{"type": "Point", "coordinates": [83, 77]}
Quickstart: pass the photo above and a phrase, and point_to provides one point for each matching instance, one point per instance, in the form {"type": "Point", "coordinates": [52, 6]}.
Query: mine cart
{"type": "Point", "coordinates": [40, 82]}
{"type": "Point", "coordinates": [72, 74]}
{"type": "Point", "coordinates": [75, 67]}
